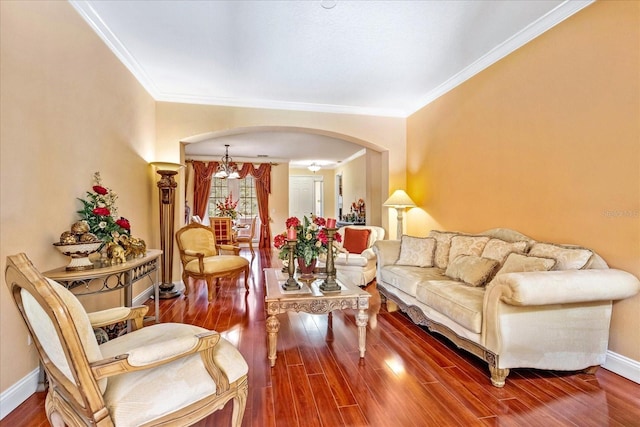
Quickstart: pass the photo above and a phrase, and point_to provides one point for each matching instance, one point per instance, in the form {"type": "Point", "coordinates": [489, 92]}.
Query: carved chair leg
{"type": "Point", "coordinates": [211, 288]}
{"type": "Point", "coordinates": [185, 280]}
{"type": "Point", "coordinates": [246, 279]}
{"type": "Point", "coordinates": [591, 370]}
{"type": "Point", "coordinates": [498, 376]}
{"type": "Point", "coordinates": [240, 404]}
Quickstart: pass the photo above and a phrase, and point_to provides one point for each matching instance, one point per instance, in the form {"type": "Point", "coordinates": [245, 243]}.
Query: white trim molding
{"type": "Point", "coordinates": [12, 397]}
{"type": "Point", "coordinates": [623, 366]}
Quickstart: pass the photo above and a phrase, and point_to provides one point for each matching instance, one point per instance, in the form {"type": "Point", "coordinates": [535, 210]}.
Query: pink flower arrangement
{"type": "Point", "coordinates": [311, 236]}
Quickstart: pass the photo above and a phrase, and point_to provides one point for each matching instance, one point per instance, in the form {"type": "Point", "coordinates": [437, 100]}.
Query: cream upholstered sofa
{"type": "Point", "coordinates": [355, 262]}
{"type": "Point", "coordinates": [512, 301]}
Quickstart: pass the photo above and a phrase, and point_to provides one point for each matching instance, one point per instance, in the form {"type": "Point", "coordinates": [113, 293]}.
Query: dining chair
{"type": "Point", "coordinates": [249, 236]}
{"type": "Point", "coordinates": [164, 374]}
{"type": "Point", "coordinates": [222, 226]}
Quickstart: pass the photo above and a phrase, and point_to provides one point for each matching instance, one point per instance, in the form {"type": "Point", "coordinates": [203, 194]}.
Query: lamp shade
{"type": "Point", "coordinates": [167, 166]}
{"type": "Point", "coordinates": [399, 199]}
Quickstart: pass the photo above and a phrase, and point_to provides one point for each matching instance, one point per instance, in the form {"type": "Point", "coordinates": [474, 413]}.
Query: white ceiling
{"type": "Point", "coordinates": [386, 58]}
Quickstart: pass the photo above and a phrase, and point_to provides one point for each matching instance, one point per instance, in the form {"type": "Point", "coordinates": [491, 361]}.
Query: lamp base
{"type": "Point", "coordinates": [168, 291]}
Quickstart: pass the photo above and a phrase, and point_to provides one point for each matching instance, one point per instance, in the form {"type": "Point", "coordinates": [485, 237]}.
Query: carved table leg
{"type": "Point", "coordinates": [273, 325]}
{"type": "Point", "coordinates": [361, 320]}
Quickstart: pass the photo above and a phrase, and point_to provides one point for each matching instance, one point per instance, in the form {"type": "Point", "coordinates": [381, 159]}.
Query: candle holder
{"type": "Point", "coordinates": [291, 284]}
{"type": "Point", "coordinates": [330, 284]}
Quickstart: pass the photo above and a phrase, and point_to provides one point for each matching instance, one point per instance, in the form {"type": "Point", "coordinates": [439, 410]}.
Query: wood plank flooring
{"type": "Point", "coordinates": [407, 378]}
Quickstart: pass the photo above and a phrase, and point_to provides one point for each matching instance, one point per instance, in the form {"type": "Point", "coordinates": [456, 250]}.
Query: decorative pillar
{"type": "Point", "coordinates": [166, 193]}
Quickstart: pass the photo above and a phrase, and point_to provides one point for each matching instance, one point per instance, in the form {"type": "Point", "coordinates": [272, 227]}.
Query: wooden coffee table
{"type": "Point", "coordinates": [309, 299]}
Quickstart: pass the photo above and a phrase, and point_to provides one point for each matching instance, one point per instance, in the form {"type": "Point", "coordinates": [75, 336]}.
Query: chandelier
{"type": "Point", "coordinates": [225, 168]}
{"type": "Point", "coordinates": [314, 167]}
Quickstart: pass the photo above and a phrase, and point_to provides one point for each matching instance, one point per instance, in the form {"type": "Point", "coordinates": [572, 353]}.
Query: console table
{"type": "Point", "coordinates": [113, 278]}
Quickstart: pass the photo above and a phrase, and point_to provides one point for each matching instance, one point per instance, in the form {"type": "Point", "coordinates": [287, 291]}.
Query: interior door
{"type": "Point", "coordinates": [301, 196]}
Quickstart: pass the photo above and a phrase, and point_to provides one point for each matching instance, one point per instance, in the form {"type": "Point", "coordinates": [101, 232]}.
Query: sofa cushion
{"type": "Point", "coordinates": [467, 245]}
{"type": "Point", "coordinates": [406, 278]}
{"type": "Point", "coordinates": [499, 249]}
{"type": "Point", "coordinates": [417, 251]}
{"type": "Point", "coordinates": [567, 258]}
{"type": "Point", "coordinates": [518, 263]}
{"type": "Point", "coordinates": [460, 303]}
{"type": "Point", "coordinates": [443, 244]}
{"type": "Point", "coordinates": [356, 240]}
{"type": "Point", "coordinates": [472, 270]}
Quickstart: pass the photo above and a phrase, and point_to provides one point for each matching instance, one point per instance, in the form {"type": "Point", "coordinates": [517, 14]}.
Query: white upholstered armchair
{"type": "Point", "coordinates": [164, 374]}
{"type": "Point", "coordinates": [356, 262]}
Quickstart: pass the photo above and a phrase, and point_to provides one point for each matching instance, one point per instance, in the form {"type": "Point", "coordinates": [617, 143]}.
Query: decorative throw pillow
{"type": "Point", "coordinates": [567, 258]}
{"type": "Point", "coordinates": [356, 240]}
{"type": "Point", "coordinates": [518, 263]}
{"type": "Point", "coordinates": [499, 249]}
{"type": "Point", "coordinates": [467, 245]}
{"type": "Point", "coordinates": [417, 251]}
{"type": "Point", "coordinates": [471, 269]}
{"type": "Point", "coordinates": [443, 244]}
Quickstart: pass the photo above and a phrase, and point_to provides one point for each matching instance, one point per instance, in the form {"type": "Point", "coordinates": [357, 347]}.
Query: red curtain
{"type": "Point", "coordinates": [262, 177]}
{"type": "Point", "coordinates": [202, 187]}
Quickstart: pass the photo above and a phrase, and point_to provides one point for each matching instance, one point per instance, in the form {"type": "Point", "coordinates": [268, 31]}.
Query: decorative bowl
{"type": "Point", "coordinates": [79, 253]}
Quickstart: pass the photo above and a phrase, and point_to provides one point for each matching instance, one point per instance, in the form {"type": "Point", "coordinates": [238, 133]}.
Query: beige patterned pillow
{"type": "Point", "coordinates": [471, 269]}
{"type": "Point", "coordinates": [443, 244]}
{"type": "Point", "coordinates": [566, 258]}
{"type": "Point", "coordinates": [467, 245]}
{"type": "Point", "coordinates": [519, 263]}
{"type": "Point", "coordinates": [417, 251]}
{"type": "Point", "coordinates": [499, 249]}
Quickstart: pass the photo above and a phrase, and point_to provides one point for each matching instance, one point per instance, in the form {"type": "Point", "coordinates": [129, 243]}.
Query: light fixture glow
{"type": "Point", "coordinates": [313, 167]}
{"type": "Point", "coordinates": [226, 168]}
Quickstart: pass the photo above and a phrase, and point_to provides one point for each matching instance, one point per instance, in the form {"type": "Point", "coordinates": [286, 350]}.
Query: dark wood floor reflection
{"type": "Point", "coordinates": [407, 378]}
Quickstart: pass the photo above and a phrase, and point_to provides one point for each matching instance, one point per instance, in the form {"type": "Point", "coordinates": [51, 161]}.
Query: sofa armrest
{"type": "Point", "coordinates": [387, 251]}
{"type": "Point", "coordinates": [562, 287]}
{"type": "Point", "coordinates": [368, 253]}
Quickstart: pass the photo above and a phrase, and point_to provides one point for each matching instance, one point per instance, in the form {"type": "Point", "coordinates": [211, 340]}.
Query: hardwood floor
{"type": "Point", "coordinates": [407, 378]}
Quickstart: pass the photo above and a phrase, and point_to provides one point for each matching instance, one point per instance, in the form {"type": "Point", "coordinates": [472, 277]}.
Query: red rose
{"type": "Point", "coordinates": [100, 189]}
{"type": "Point", "coordinates": [292, 222]}
{"type": "Point", "coordinates": [320, 221]}
{"type": "Point", "coordinates": [124, 223]}
{"type": "Point", "coordinates": [101, 211]}
{"type": "Point", "coordinates": [337, 237]}
{"type": "Point", "coordinates": [279, 241]}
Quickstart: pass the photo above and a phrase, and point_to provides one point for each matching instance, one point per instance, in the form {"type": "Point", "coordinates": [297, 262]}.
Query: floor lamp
{"type": "Point", "coordinates": [166, 192]}
{"type": "Point", "coordinates": [399, 200]}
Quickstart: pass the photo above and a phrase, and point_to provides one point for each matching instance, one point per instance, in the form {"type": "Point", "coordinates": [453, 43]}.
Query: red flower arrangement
{"type": "Point", "coordinates": [311, 238]}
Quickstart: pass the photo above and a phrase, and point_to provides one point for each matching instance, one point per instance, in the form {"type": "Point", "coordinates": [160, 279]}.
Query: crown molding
{"type": "Point", "coordinates": [546, 22]}
{"type": "Point", "coordinates": [533, 30]}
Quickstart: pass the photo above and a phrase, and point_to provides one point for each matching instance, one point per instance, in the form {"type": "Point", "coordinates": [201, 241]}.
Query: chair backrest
{"type": "Point", "coordinates": [223, 229]}
{"type": "Point", "coordinates": [198, 238]}
{"type": "Point", "coordinates": [250, 233]}
{"type": "Point", "coordinates": [61, 332]}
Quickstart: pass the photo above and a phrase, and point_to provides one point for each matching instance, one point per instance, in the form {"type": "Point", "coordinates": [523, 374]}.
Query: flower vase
{"type": "Point", "coordinates": [306, 270]}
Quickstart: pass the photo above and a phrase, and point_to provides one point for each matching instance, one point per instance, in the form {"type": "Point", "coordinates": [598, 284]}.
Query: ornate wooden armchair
{"type": "Point", "coordinates": [164, 374]}
{"type": "Point", "coordinates": [202, 258]}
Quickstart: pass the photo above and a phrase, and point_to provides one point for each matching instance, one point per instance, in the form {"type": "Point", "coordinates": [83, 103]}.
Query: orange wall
{"type": "Point", "coordinates": [68, 108]}
{"type": "Point", "coordinates": [546, 141]}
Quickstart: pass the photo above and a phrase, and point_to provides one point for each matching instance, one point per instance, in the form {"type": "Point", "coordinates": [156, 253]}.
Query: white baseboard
{"type": "Point", "coordinates": [12, 397]}
{"type": "Point", "coordinates": [143, 296]}
{"type": "Point", "coordinates": [623, 366]}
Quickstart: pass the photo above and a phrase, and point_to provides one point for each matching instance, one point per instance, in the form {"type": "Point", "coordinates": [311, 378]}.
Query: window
{"type": "Point", "coordinates": [243, 190]}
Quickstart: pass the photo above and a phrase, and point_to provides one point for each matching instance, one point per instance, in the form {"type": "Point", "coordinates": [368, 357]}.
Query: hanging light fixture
{"type": "Point", "coordinates": [313, 167]}
{"type": "Point", "coordinates": [225, 168]}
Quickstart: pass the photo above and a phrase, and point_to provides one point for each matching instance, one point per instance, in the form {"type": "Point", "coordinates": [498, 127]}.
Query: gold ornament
{"type": "Point", "coordinates": [88, 237]}
{"type": "Point", "coordinates": [80, 227]}
{"type": "Point", "coordinates": [68, 238]}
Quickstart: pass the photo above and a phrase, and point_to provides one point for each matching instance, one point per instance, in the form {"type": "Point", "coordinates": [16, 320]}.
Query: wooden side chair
{"type": "Point", "coordinates": [164, 374]}
{"type": "Point", "coordinates": [202, 258]}
{"type": "Point", "coordinates": [248, 237]}
{"type": "Point", "coordinates": [222, 226]}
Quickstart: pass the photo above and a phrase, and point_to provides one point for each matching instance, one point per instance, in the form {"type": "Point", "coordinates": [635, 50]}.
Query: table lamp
{"type": "Point", "coordinates": [399, 200]}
